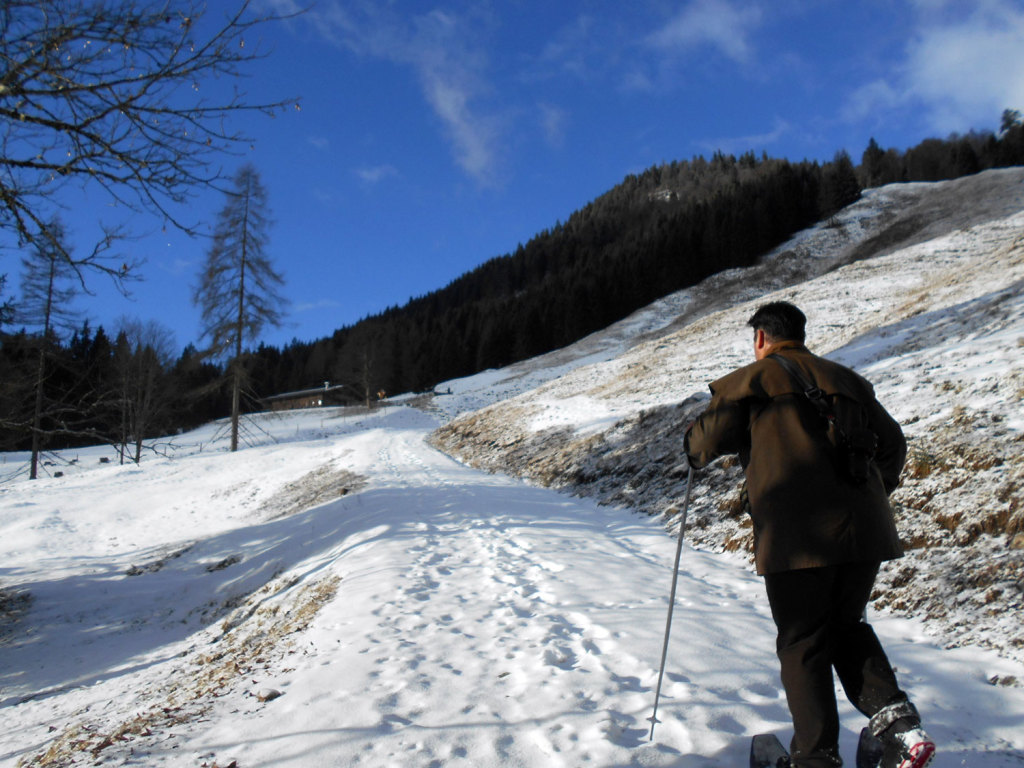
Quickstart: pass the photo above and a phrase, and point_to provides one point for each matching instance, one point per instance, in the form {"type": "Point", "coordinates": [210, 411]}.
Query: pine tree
{"type": "Point", "coordinates": [839, 185]}
{"type": "Point", "coordinates": [238, 293]}
{"type": "Point", "coordinates": [871, 163]}
{"type": "Point", "coordinates": [1011, 118]}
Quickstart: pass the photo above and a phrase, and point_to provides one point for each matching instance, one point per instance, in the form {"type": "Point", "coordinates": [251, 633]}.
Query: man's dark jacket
{"type": "Point", "coordinates": [805, 512]}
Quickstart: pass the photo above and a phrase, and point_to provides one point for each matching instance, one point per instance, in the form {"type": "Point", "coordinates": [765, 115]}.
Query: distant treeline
{"type": "Point", "coordinates": [657, 232]}
{"type": "Point", "coordinates": [654, 233]}
{"type": "Point", "coordinates": [103, 390]}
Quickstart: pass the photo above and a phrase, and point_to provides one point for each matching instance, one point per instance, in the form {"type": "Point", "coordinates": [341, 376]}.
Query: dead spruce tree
{"type": "Point", "coordinates": [238, 292]}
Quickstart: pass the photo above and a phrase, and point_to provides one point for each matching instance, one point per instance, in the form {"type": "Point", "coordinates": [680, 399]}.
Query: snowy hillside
{"type": "Point", "coordinates": [340, 593]}
{"type": "Point", "coordinates": [937, 325]}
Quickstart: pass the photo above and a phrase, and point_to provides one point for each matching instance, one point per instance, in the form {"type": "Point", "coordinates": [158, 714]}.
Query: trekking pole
{"type": "Point", "coordinates": [671, 599]}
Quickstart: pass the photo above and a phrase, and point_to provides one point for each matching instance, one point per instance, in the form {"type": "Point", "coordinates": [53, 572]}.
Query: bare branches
{"type": "Point", "coordinates": [6, 307]}
{"type": "Point", "coordinates": [130, 98]}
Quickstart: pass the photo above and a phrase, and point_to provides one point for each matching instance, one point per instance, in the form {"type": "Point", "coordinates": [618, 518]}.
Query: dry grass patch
{"type": "Point", "coordinates": [318, 487]}
{"type": "Point", "coordinates": [244, 648]}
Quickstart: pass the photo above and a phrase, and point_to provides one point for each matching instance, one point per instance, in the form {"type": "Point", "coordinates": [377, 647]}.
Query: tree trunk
{"type": "Point", "coordinates": [237, 383]}
{"type": "Point", "coordinates": [122, 441]}
{"type": "Point", "coordinates": [37, 415]}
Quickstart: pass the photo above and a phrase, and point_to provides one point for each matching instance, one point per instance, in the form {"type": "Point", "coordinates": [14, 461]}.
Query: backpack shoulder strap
{"type": "Point", "coordinates": [811, 392]}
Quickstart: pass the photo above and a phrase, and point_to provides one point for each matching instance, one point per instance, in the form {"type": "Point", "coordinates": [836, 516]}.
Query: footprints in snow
{"type": "Point", "coordinates": [479, 599]}
{"type": "Point", "coordinates": [509, 635]}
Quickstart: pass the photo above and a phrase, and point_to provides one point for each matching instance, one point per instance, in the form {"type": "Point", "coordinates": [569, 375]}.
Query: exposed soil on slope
{"type": "Point", "coordinates": [929, 306]}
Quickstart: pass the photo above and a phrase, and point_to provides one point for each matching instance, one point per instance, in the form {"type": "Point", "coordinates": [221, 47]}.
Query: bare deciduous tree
{"type": "Point", "coordinates": [6, 307]}
{"type": "Point", "coordinates": [238, 292]}
{"type": "Point", "coordinates": [110, 96]}
{"type": "Point", "coordinates": [143, 354]}
{"type": "Point", "coordinates": [47, 290]}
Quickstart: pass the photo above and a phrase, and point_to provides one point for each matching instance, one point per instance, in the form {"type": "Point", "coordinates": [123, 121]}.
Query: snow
{"type": "Point", "coordinates": [935, 320]}
{"type": "Point", "coordinates": [340, 592]}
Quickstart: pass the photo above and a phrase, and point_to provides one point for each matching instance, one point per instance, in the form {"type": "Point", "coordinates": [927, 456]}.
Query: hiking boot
{"type": "Point", "coordinates": [904, 742]}
{"type": "Point", "coordinates": [909, 749]}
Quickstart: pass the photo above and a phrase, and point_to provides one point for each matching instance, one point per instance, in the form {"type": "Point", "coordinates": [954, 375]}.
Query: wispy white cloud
{"type": "Point", "coordinates": [319, 142]}
{"type": "Point", "coordinates": [932, 6]}
{"type": "Point", "coordinates": [176, 266]}
{"type": "Point", "coordinates": [473, 134]}
{"type": "Point", "coordinates": [960, 69]}
{"type": "Point", "coordinates": [636, 80]}
{"type": "Point", "coordinates": [571, 50]}
{"type": "Point", "coordinates": [965, 70]}
{"type": "Point", "coordinates": [596, 51]}
{"type": "Point", "coordinates": [720, 24]}
{"type": "Point", "coordinates": [447, 53]}
{"type": "Point", "coordinates": [327, 197]}
{"type": "Point", "coordinates": [622, 51]}
{"type": "Point", "coordinates": [753, 142]}
{"type": "Point", "coordinates": [871, 99]}
{"type": "Point", "coordinates": [310, 306]}
{"type": "Point", "coordinates": [552, 123]}
{"type": "Point", "coordinates": [376, 173]}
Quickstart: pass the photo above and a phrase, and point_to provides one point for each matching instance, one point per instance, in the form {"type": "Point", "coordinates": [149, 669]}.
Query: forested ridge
{"type": "Point", "coordinates": [657, 232]}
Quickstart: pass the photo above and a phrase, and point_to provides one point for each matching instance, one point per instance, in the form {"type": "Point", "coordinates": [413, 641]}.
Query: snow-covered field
{"type": "Point", "coordinates": [340, 593]}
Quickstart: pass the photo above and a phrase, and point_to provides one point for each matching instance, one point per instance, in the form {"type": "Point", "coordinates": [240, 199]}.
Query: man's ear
{"type": "Point", "coordinates": [760, 342]}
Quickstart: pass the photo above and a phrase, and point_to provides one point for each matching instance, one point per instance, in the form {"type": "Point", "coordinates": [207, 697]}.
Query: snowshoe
{"type": "Point", "coordinates": [869, 750]}
{"type": "Point", "coordinates": [766, 751]}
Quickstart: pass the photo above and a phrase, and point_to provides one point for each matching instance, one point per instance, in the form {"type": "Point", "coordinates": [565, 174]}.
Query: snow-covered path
{"type": "Point", "coordinates": [440, 616]}
{"type": "Point", "coordinates": [484, 622]}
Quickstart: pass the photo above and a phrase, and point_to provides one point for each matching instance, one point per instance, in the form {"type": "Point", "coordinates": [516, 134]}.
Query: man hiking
{"type": "Point", "coordinates": [821, 457]}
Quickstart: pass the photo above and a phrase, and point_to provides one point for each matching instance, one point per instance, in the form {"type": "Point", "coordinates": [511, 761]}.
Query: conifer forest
{"type": "Point", "coordinates": [656, 232]}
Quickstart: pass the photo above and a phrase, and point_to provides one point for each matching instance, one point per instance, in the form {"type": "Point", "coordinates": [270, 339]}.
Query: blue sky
{"type": "Point", "coordinates": [434, 136]}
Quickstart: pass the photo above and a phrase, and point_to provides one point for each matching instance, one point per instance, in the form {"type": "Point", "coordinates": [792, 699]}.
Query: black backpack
{"type": "Point", "coordinates": [855, 447]}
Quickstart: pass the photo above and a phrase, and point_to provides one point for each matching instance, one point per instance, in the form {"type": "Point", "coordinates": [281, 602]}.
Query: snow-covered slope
{"type": "Point", "coordinates": [884, 220]}
{"type": "Point", "coordinates": [340, 593]}
{"type": "Point", "coordinates": [938, 326]}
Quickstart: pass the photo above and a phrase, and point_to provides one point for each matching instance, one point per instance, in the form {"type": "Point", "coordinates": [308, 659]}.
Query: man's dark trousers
{"type": "Point", "coordinates": [819, 613]}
